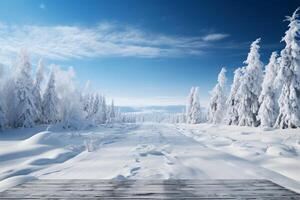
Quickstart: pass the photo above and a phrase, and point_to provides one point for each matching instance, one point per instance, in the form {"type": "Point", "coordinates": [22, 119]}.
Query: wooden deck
{"type": "Point", "coordinates": [149, 189]}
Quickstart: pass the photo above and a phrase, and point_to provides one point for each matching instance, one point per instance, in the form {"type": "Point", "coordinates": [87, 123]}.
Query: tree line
{"type": "Point", "coordinates": [49, 98]}
{"type": "Point", "coordinates": [266, 98]}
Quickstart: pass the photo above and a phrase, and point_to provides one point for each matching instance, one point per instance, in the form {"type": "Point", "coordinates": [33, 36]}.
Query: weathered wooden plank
{"type": "Point", "coordinates": [158, 184]}
{"type": "Point", "coordinates": [155, 184]}
{"type": "Point", "coordinates": [149, 189]}
{"type": "Point", "coordinates": [165, 187]}
{"type": "Point", "coordinates": [172, 181]}
{"type": "Point", "coordinates": [148, 182]}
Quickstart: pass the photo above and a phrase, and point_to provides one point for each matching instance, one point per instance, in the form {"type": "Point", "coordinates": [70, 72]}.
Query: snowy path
{"type": "Point", "coordinates": [150, 152]}
{"type": "Point", "coordinates": [145, 151]}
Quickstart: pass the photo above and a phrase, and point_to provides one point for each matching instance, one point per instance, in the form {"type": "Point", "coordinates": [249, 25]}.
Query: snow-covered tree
{"type": "Point", "coordinates": [24, 107]}
{"type": "Point", "coordinates": [289, 73]}
{"type": "Point", "coordinates": [232, 117]}
{"type": "Point", "coordinates": [189, 105]}
{"type": "Point", "coordinates": [85, 100]}
{"type": "Point", "coordinates": [268, 110]}
{"type": "Point", "coordinates": [103, 110]}
{"type": "Point", "coordinates": [111, 112]}
{"type": "Point", "coordinates": [72, 114]}
{"type": "Point", "coordinates": [95, 105]}
{"type": "Point", "coordinates": [71, 111]}
{"type": "Point", "coordinates": [37, 90]}
{"type": "Point", "coordinates": [217, 106]}
{"type": "Point", "coordinates": [193, 112]}
{"type": "Point", "coordinates": [250, 88]}
{"type": "Point", "coordinates": [196, 111]}
{"type": "Point", "coordinates": [50, 101]}
{"type": "Point", "coordinates": [91, 106]}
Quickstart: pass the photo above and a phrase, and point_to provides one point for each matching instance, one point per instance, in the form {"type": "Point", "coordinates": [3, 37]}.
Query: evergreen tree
{"type": "Point", "coordinates": [50, 101]}
{"type": "Point", "coordinates": [218, 97]}
{"type": "Point", "coordinates": [232, 117]}
{"type": "Point", "coordinates": [193, 109]}
{"type": "Point", "coordinates": [196, 108]}
{"type": "Point", "coordinates": [250, 88]}
{"type": "Point", "coordinates": [95, 107]}
{"type": "Point", "coordinates": [289, 73]}
{"type": "Point", "coordinates": [102, 116]}
{"type": "Point", "coordinates": [85, 99]}
{"type": "Point", "coordinates": [189, 106]}
{"type": "Point", "coordinates": [112, 111]}
{"type": "Point", "coordinates": [268, 110]}
{"type": "Point", "coordinates": [72, 111]}
{"type": "Point", "coordinates": [91, 105]}
{"type": "Point", "coordinates": [24, 106]}
{"type": "Point", "coordinates": [37, 90]}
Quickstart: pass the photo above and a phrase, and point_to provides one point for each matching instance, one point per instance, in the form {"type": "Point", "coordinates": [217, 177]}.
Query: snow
{"type": "Point", "coordinates": [288, 75]}
{"type": "Point", "coordinates": [150, 151]}
{"type": "Point", "coordinates": [217, 106]}
{"type": "Point", "coordinates": [250, 88]}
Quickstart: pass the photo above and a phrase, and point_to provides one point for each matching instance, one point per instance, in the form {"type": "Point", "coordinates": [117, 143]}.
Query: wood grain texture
{"type": "Point", "coordinates": [149, 189]}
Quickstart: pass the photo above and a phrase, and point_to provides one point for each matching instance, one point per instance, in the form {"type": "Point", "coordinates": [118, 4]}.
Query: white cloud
{"type": "Point", "coordinates": [103, 40]}
{"type": "Point", "coordinates": [215, 37]}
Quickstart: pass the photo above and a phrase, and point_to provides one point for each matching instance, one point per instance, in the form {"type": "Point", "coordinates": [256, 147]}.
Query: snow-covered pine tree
{"type": "Point", "coordinates": [85, 98]}
{"type": "Point", "coordinates": [111, 112]}
{"type": "Point", "coordinates": [189, 106]}
{"type": "Point", "coordinates": [289, 73]}
{"type": "Point", "coordinates": [217, 106]}
{"type": "Point", "coordinates": [72, 111]}
{"type": "Point", "coordinates": [91, 105]}
{"type": "Point", "coordinates": [37, 90]}
{"type": "Point", "coordinates": [50, 101]}
{"type": "Point", "coordinates": [268, 110]}
{"type": "Point", "coordinates": [196, 115]}
{"type": "Point", "coordinates": [197, 107]}
{"type": "Point", "coordinates": [102, 110]}
{"type": "Point", "coordinates": [24, 107]}
{"type": "Point", "coordinates": [250, 88]}
{"type": "Point", "coordinates": [232, 117]}
{"type": "Point", "coordinates": [95, 105]}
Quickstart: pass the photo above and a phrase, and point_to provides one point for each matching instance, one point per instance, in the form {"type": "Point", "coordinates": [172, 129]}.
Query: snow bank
{"type": "Point", "coordinates": [276, 150]}
{"type": "Point", "coordinates": [20, 158]}
{"type": "Point", "coordinates": [42, 138]}
{"type": "Point", "coordinates": [13, 181]}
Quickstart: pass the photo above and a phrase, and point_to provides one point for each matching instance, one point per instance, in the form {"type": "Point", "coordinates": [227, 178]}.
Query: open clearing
{"type": "Point", "coordinates": [151, 151]}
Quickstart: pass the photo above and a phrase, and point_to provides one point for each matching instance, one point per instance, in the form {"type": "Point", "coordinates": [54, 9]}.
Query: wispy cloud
{"type": "Point", "coordinates": [102, 40]}
{"type": "Point", "coordinates": [215, 37]}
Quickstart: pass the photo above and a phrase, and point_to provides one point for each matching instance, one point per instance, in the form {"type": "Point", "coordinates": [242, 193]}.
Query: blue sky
{"type": "Point", "coordinates": [146, 52]}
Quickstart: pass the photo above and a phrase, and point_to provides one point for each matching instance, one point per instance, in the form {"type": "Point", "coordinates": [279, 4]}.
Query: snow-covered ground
{"type": "Point", "coordinates": [151, 151]}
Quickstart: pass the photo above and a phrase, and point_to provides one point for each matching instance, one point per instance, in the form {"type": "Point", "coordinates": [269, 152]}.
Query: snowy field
{"type": "Point", "coordinates": [151, 151]}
